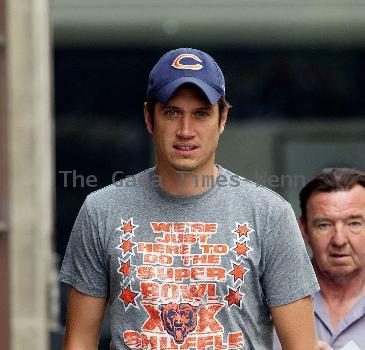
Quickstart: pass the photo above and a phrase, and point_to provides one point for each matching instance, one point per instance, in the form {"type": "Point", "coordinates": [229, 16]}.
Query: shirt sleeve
{"type": "Point", "coordinates": [288, 273]}
{"type": "Point", "coordinates": [83, 266]}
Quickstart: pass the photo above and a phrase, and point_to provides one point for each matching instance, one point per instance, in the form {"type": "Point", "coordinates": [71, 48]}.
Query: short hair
{"type": "Point", "coordinates": [330, 180]}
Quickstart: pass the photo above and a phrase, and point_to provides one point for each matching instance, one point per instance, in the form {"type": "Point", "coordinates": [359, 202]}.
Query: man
{"type": "Point", "coordinates": [187, 254]}
{"type": "Point", "coordinates": [333, 225]}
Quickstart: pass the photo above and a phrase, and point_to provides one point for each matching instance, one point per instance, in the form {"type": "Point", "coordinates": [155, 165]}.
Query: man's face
{"type": "Point", "coordinates": [186, 131]}
{"type": "Point", "coordinates": [335, 230]}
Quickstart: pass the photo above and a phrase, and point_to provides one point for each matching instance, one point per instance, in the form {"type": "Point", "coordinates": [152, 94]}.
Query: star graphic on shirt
{"type": "Point", "coordinates": [126, 246]}
{"type": "Point", "coordinates": [234, 297]}
{"type": "Point", "coordinates": [238, 272]}
{"type": "Point", "coordinates": [128, 297]}
{"type": "Point", "coordinates": [124, 267]}
{"type": "Point", "coordinates": [127, 226]}
{"type": "Point", "coordinates": [242, 248]}
{"type": "Point", "coordinates": [242, 229]}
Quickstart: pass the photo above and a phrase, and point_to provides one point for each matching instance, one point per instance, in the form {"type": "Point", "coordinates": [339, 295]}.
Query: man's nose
{"type": "Point", "coordinates": [340, 235]}
{"type": "Point", "coordinates": [186, 128]}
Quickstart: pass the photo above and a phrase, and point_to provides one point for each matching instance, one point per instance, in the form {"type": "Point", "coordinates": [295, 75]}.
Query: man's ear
{"type": "Point", "coordinates": [303, 229]}
{"type": "Point", "coordinates": [148, 118]}
{"type": "Point", "coordinates": [223, 119]}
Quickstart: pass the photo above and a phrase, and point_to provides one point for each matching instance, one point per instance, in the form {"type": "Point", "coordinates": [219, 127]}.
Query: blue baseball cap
{"type": "Point", "coordinates": [185, 65]}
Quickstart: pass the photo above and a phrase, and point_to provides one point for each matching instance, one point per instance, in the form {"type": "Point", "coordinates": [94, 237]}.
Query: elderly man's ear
{"type": "Point", "coordinates": [303, 229]}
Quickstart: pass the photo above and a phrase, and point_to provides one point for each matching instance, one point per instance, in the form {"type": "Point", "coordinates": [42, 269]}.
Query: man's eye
{"type": "Point", "coordinates": [323, 226]}
{"type": "Point", "coordinates": [355, 223]}
{"type": "Point", "coordinates": [201, 114]}
{"type": "Point", "coordinates": [171, 112]}
{"type": "Point", "coordinates": [355, 226]}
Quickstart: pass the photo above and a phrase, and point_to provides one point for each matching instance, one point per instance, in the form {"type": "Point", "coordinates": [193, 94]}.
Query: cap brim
{"type": "Point", "coordinates": [165, 93]}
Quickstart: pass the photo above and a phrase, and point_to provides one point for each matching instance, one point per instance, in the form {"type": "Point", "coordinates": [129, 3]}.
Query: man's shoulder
{"type": "Point", "coordinates": [247, 188]}
{"type": "Point", "coordinates": [122, 190]}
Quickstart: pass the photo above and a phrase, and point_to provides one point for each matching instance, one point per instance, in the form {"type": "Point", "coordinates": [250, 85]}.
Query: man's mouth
{"type": "Point", "coordinates": [339, 256]}
{"type": "Point", "coordinates": [185, 148]}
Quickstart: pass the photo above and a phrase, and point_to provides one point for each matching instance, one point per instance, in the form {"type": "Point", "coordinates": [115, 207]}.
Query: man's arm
{"type": "Point", "coordinates": [84, 319]}
{"type": "Point", "coordinates": [295, 325]}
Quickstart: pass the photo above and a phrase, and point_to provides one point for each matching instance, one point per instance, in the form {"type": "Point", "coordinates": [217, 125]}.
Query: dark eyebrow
{"type": "Point", "coordinates": [207, 108]}
{"type": "Point", "coordinates": [203, 107]}
{"type": "Point", "coordinates": [206, 105]}
{"type": "Point", "coordinates": [169, 106]}
{"type": "Point", "coordinates": [353, 217]}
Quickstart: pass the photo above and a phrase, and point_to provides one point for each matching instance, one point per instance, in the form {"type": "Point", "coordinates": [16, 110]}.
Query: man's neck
{"type": "Point", "coordinates": [187, 183]}
{"type": "Point", "coordinates": [341, 295]}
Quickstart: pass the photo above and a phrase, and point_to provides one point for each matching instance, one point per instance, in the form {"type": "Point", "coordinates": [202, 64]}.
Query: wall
{"type": "Point", "coordinates": [285, 155]}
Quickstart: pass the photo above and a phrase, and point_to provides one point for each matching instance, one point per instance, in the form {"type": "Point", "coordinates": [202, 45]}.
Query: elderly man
{"type": "Point", "coordinates": [333, 225]}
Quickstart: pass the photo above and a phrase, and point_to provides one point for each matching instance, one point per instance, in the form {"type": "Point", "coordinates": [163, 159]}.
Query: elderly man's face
{"type": "Point", "coordinates": [335, 230]}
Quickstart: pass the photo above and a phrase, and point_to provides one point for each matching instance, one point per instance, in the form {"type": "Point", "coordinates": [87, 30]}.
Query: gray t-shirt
{"type": "Point", "coordinates": [198, 272]}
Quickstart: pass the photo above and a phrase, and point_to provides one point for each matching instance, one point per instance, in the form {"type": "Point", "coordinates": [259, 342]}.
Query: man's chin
{"type": "Point", "coordinates": [184, 167]}
{"type": "Point", "coordinates": [341, 272]}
